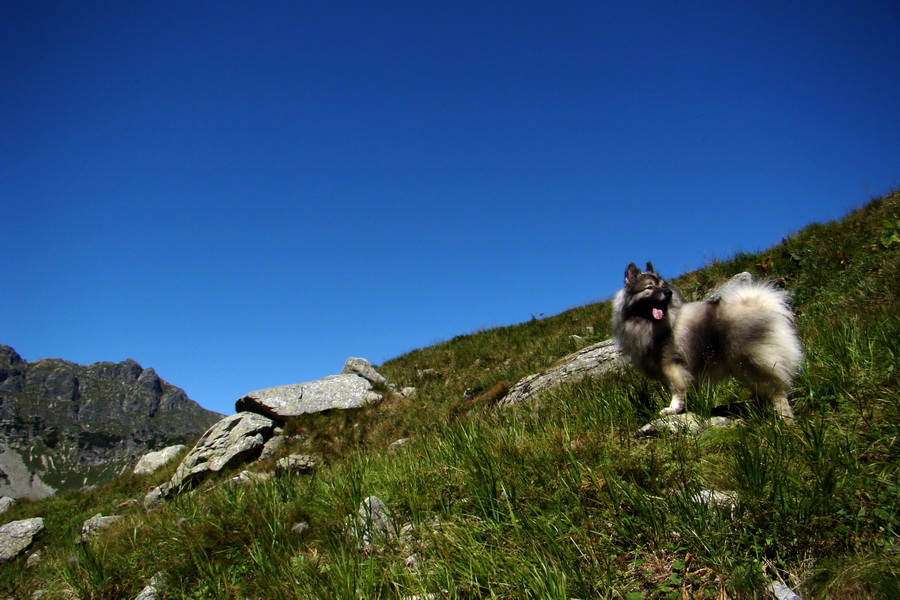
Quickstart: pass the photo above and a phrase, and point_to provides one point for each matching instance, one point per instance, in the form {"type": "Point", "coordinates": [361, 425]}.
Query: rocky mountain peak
{"type": "Point", "coordinates": [65, 425]}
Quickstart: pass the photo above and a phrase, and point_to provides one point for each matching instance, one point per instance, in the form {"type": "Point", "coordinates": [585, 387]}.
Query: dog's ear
{"type": "Point", "coordinates": [631, 273]}
{"type": "Point", "coordinates": [650, 268]}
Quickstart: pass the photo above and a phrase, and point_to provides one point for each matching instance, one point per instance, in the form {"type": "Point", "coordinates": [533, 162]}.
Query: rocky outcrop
{"type": "Point", "coordinates": [232, 441]}
{"type": "Point", "coordinates": [592, 361]}
{"type": "Point", "coordinates": [152, 461]}
{"type": "Point", "coordinates": [335, 392]}
{"type": "Point", "coordinates": [17, 536]}
{"type": "Point", "coordinates": [65, 426]}
{"type": "Point", "coordinates": [253, 433]}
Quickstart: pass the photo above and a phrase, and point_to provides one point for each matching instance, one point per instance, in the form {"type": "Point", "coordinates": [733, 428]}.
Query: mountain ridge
{"type": "Point", "coordinates": [65, 426]}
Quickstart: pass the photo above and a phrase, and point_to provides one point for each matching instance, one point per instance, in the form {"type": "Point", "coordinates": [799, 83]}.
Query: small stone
{"type": "Point", "coordinates": [5, 503]}
{"type": "Point", "coordinates": [93, 526]}
{"type": "Point", "coordinates": [295, 463]}
{"type": "Point", "coordinates": [375, 521]}
{"type": "Point", "coordinates": [396, 446]}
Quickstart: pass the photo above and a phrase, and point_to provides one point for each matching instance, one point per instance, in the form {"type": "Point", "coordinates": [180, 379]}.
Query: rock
{"type": "Point", "coordinates": [409, 392]}
{"type": "Point", "coordinates": [34, 560]}
{"type": "Point", "coordinates": [374, 522]}
{"type": "Point", "coordinates": [295, 463]}
{"type": "Point", "coordinates": [153, 461]}
{"type": "Point", "coordinates": [93, 526]}
{"type": "Point", "coordinates": [247, 478]}
{"type": "Point", "coordinates": [233, 440]}
{"type": "Point", "coordinates": [154, 497]}
{"type": "Point", "coordinates": [300, 528]}
{"type": "Point", "coordinates": [684, 423]}
{"type": "Point", "coordinates": [17, 536]}
{"type": "Point", "coordinates": [364, 369]}
{"type": "Point", "coordinates": [272, 447]}
{"type": "Point", "coordinates": [5, 503]}
{"type": "Point", "coordinates": [335, 392]}
{"type": "Point", "coordinates": [716, 499]}
{"type": "Point", "coordinates": [779, 591]}
{"type": "Point", "coordinates": [156, 589]}
{"type": "Point", "coordinates": [395, 446]}
{"type": "Point", "coordinates": [592, 361]}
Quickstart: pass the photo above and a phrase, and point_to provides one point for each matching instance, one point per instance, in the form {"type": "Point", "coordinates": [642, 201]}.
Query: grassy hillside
{"type": "Point", "coordinates": [557, 499]}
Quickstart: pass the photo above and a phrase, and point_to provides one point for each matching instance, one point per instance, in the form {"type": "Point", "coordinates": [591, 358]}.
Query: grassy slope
{"type": "Point", "coordinates": [559, 501]}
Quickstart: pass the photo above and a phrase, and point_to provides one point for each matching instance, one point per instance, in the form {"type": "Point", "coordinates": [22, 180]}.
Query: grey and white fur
{"type": "Point", "coordinates": [743, 330]}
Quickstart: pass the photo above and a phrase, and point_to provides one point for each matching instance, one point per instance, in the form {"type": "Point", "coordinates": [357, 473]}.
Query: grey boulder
{"type": "Point", "coordinates": [15, 537]}
{"type": "Point", "coordinates": [152, 461]}
{"type": "Point", "coordinates": [233, 440]}
{"type": "Point", "coordinates": [363, 368]}
{"type": "Point", "coordinates": [335, 392]}
{"type": "Point", "coordinates": [592, 361]}
{"type": "Point", "coordinates": [93, 526]}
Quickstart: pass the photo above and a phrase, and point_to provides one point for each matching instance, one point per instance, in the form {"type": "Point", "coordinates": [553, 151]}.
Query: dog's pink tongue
{"type": "Point", "coordinates": [658, 314]}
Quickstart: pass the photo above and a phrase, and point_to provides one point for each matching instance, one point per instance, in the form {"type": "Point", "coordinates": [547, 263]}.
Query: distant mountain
{"type": "Point", "coordinates": [65, 426]}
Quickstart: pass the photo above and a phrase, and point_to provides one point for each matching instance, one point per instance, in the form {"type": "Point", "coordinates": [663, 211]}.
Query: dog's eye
{"type": "Point", "coordinates": [648, 288]}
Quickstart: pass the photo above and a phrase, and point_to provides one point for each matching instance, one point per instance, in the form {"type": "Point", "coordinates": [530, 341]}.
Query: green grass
{"type": "Point", "coordinates": [556, 499]}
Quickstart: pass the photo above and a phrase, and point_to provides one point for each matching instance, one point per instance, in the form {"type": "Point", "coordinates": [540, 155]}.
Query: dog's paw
{"type": "Point", "coordinates": [672, 410]}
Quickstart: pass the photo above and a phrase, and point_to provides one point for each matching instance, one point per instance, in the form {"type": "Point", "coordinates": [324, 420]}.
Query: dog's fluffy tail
{"type": "Point", "coordinates": [758, 295]}
{"type": "Point", "coordinates": [747, 301]}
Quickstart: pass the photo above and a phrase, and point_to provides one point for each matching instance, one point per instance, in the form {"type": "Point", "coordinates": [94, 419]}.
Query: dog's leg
{"type": "Point", "coordinates": [679, 378]}
{"type": "Point", "coordinates": [782, 406]}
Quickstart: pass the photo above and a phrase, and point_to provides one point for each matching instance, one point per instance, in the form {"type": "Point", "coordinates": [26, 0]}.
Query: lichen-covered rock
{"type": "Point", "coordinates": [374, 522]}
{"type": "Point", "coordinates": [363, 368]}
{"type": "Point", "coordinates": [233, 440]}
{"type": "Point", "coordinates": [152, 461]}
{"type": "Point", "coordinates": [296, 463]}
{"type": "Point", "coordinates": [96, 524]}
{"type": "Point", "coordinates": [17, 536]}
{"type": "Point", "coordinates": [684, 423]}
{"type": "Point", "coordinates": [335, 392]}
{"type": "Point", "coordinates": [592, 361]}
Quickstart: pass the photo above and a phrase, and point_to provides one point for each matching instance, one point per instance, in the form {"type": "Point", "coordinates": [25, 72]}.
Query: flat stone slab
{"type": "Point", "coordinates": [15, 537]}
{"type": "Point", "coordinates": [335, 392]}
{"type": "Point", "coordinates": [592, 361]}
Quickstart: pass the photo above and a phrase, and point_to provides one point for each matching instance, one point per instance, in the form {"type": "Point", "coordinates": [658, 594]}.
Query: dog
{"type": "Point", "coordinates": [744, 330]}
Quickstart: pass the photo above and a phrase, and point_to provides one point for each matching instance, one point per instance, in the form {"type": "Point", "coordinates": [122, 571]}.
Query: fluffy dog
{"type": "Point", "coordinates": [743, 330]}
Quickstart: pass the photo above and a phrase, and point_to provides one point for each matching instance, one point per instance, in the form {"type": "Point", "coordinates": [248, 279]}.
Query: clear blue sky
{"type": "Point", "coordinates": [244, 194]}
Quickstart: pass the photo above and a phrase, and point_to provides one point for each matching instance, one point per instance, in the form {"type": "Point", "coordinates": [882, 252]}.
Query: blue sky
{"type": "Point", "coordinates": [244, 194]}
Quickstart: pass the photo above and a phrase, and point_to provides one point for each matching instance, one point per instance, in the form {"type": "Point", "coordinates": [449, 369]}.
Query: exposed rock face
{"type": "Point", "coordinates": [344, 391]}
{"type": "Point", "coordinates": [233, 440]}
{"type": "Point", "coordinates": [592, 361]}
{"type": "Point", "coordinates": [15, 537]}
{"type": "Point", "coordinates": [64, 426]}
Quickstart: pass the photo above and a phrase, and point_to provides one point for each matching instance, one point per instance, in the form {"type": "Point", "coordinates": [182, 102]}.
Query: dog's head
{"type": "Point", "coordinates": [647, 295]}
